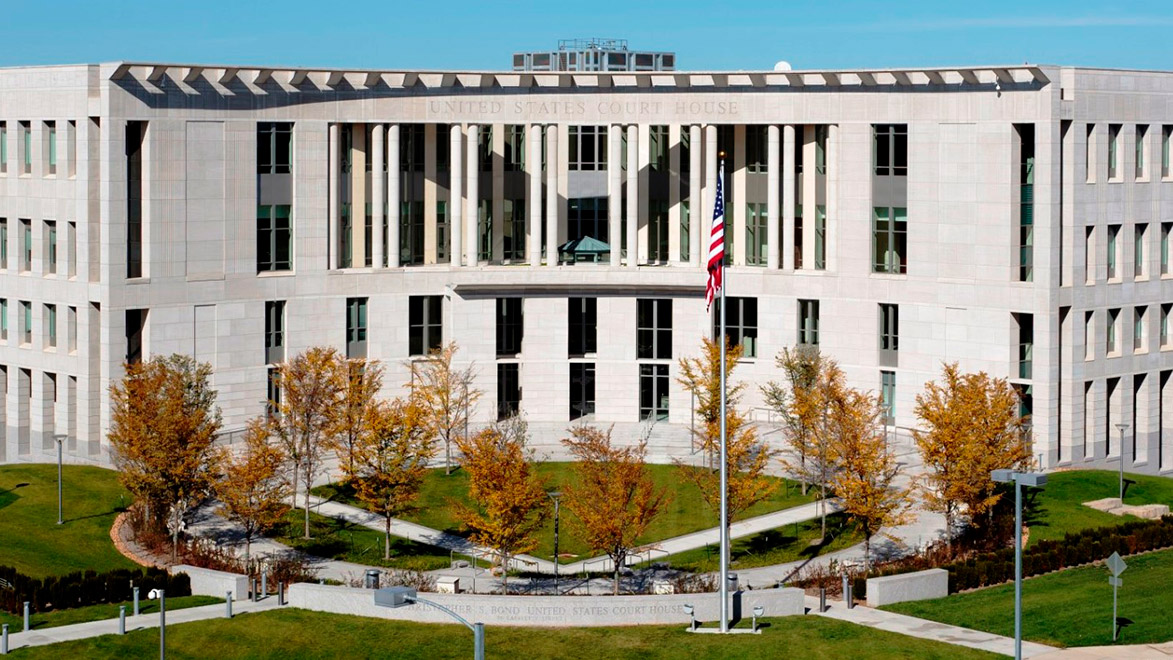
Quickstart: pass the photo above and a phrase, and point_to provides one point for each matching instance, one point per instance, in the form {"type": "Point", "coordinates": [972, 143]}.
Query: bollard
{"type": "Point", "coordinates": [252, 585]}
{"type": "Point", "coordinates": [849, 599]}
{"type": "Point", "coordinates": [121, 619]}
{"type": "Point", "coordinates": [264, 585]}
{"type": "Point", "coordinates": [4, 639]}
{"type": "Point", "coordinates": [228, 606]}
{"type": "Point", "coordinates": [26, 617]}
{"type": "Point", "coordinates": [844, 591]}
{"type": "Point", "coordinates": [280, 593]}
{"type": "Point", "coordinates": [822, 599]}
{"type": "Point", "coordinates": [136, 601]}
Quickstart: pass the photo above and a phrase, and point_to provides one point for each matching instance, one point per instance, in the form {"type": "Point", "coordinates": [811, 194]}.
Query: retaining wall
{"type": "Point", "coordinates": [922, 585]}
{"type": "Point", "coordinates": [207, 582]}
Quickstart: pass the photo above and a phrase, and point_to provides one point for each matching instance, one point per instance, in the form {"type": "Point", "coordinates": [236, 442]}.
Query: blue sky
{"type": "Point", "coordinates": [462, 34]}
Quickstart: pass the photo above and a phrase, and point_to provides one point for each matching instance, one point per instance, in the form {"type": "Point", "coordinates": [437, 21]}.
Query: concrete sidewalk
{"type": "Point", "coordinates": [41, 637]}
{"type": "Point", "coordinates": [1135, 652]}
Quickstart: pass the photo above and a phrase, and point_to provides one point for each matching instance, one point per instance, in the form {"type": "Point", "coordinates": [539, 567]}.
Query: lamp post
{"type": "Point", "coordinates": [691, 612]}
{"type": "Point", "coordinates": [1122, 428]}
{"type": "Point", "coordinates": [1019, 479]}
{"type": "Point", "coordinates": [60, 438]}
{"type": "Point", "coordinates": [401, 596]}
{"type": "Point", "coordinates": [554, 495]}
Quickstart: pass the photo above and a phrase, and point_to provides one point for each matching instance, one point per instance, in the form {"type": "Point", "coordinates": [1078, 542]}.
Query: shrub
{"type": "Point", "coordinates": [81, 589]}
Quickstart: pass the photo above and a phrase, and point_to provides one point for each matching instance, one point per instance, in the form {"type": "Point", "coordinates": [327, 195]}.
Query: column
{"type": "Point", "coordinates": [41, 419]}
{"type": "Point", "coordinates": [378, 193]}
{"type": "Point", "coordinates": [735, 213]}
{"type": "Point", "coordinates": [696, 207]}
{"type": "Point", "coordinates": [471, 209]}
{"type": "Point", "coordinates": [533, 169]}
{"type": "Point", "coordinates": [614, 193]}
{"type": "Point", "coordinates": [832, 163]}
{"type": "Point", "coordinates": [788, 195]}
{"type": "Point", "coordinates": [393, 192]}
{"type": "Point", "coordinates": [455, 192]}
{"type": "Point", "coordinates": [633, 196]}
{"type": "Point", "coordinates": [431, 195]}
{"type": "Point", "coordinates": [810, 198]}
{"type": "Point", "coordinates": [773, 167]}
{"type": "Point", "coordinates": [710, 187]}
{"type": "Point", "coordinates": [332, 232]}
{"type": "Point", "coordinates": [552, 195]}
{"type": "Point", "coordinates": [674, 209]}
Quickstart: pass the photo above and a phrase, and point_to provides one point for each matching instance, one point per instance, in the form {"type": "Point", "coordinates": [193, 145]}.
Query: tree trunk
{"type": "Point", "coordinates": [867, 554]}
{"type": "Point", "coordinates": [307, 511]}
{"type": "Point", "coordinates": [505, 573]}
{"type": "Point", "coordinates": [293, 491]}
{"type": "Point", "coordinates": [823, 505]}
{"type": "Point", "coordinates": [387, 540]}
{"type": "Point", "coordinates": [248, 543]}
{"type": "Point", "coordinates": [447, 455]}
{"type": "Point", "coordinates": [615, 587]}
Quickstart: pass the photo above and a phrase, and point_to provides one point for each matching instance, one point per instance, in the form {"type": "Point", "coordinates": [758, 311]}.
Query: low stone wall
{"type": "Point", "coordinates": [552, 611]}
{"type": "Point", "coordinates": [922, 585]}
{"type": "Point", "coordinates": [206, 582]}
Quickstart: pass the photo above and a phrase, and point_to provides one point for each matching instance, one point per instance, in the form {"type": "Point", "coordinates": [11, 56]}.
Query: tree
{"type": "Point", "coordinates": [510, 498]}
{"type": "Point", "coordinates": [748, 457]}
{"type": "Point", "coordinates": [390, 460]}
{"type": "Point", "coordinates": [163, 426]}
{"type": "Point", "coordinates": [799, 401]}
{"type": "Point", "coordinates": [613, 496]}
{"type": "Point", "coordinates": [253, 487]}
{"type": "Point", "coordinates": [867, 470]}
{"type": "Point", "coordinates": [447, 396]}
{"type": "Point", "coordinates": [312, 386]}
{"type": "Point", "coordinates": [971, 427]}
{"type": "Point", "coordinates": [364, 379]}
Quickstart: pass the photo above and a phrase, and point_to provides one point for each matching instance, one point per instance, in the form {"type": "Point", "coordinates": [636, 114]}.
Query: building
{"type": "Point", "coordinates": [594, 55]}
{"type": "Point", "coordinates": [1015, 219]}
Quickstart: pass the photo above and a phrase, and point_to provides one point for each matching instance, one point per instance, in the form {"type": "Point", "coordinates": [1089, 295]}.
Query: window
{"type": "Point", "coordinates": [425, 325]}
{"type": "Point", "coordinates": [412, 144]}
{"type": "Point", "coordinates": [797, 236]}
{"type": "Point", "coordinates": [1113, 234]}
{"type": "Point", "coordinates": [411, 233]}
{"type": "Point", "coordinates": [443, 148]}
{"type": "Point", "coordinates": [368, 243]}
{"type": "Point", "coordinates": [514, 225]}
{"type": "Point", "coordinates": [654, 329]}
{"type": "Point", "coordinates": [272, 390]}
{"type": "Point", "coordinates": [658, 148]}
{"type": "Point", "coordinates": [346, 236]}
{"type": "Point", "coordinates": [1113, 150]}
{"type": "Point", "coordinates": [888, 396]}
{"type": "Point", "coordinates": [587, 216]}
{"type": "Point", "coordinates": [1139, 231]}
{"type": "Point", "coordinates": [51, 146]}
{"type": "Point", "coordinates": [891, 149]}
{"type": "Point", "coordinates": [657, 231]}
{"type": "Point", "coordinates": [889, 240]}
{"type": "Point", "coordinates": [889, 333]}
{"type": "Point", "coordinates": [443, 234]}
{"type": "Point", "coordinates": [1089, 154]}
{"type": "Point", "coordinates": [274, 238]}
{"type": "Point", "coordinates": [51, 247]}
{"type": "Point", "coordinates": [26, 330]}
{"type": "Point", "coordinates": [1138, 334]}
{"type": "Point", "coordinates": [582, 389]}
{"type": "Point", "coordinates": [653, 392]}
{"type": "Point", "coordinates": [821, 149]}
{"type": "Point", "coordinates": [1089, 254]}
{"type": "Point", "coordinates": [685, 229]}
{"type": "Point", "coordinates": [1166, 137]}
{"type": "Point", "coordinates": [1113, 347]}
{"type": "Point", "coordinates": [4, 147]}
{"type": "Point", "coordinates": [274, 331]}
{"type": "Point", "coordinates": [821, 237]}
{"type": "Point", "coordinates": [26, 240]}
{"type": "Point", "coordinates": [485, 148]}
{"type": "Point", "coordinates": [1026, 174]}
{"type": "Point", "coordinates": [51, 325]}
{"type": "Point", "coordinates": [808, 322]}
{"type": "Point", "coordinates": [1089, 335]}
{"type": "Point", "coordinates": [508, 391]}
{"type": "Point", "coordinates": [515, 148]}
{"type": "Point", "coordinates": [756, 149]}
{"type": "Point", "coordinates": [71, 329]}
{"type": "Point", "coordinates": [756, 234]}
{"type": "Point", "coordinates": [583, 327]}
{"type": "Point", "coordinates": [135, 132]}
{"type": "Point", "coordinates": [136, 325]}
{"type": "Point", "coordinates": [510, 326]}
{"type": "Point", "coordinates": [4, 243]}
{"type": "Point", "coordinates": [485, 230]}
{"type": "Point", "coordinates": [1026, 343]}
{"type": "Point", "coordinates": [274, 148]}
{"type": "Point", "coordinates": [588, 148]}
{"type": "Point", "coordinates": [26, 139]}
{"type": "Point", "coordinates": [71, 248]}
{"type": "Point", "coordinates": [1166, 227]}
{"type": "Point", "coordinates": [741, 324]}
{"type": "Point", "coordinates": [356, 327]}
{"type": "Point", "coordinates": [1141, 133]}
{"type": "Point", "coordinates": [4, 319]}
{"type": "Point", "coordinates": [1165, 336]}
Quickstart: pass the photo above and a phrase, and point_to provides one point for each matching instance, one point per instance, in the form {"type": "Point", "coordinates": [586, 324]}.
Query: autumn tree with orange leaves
{"type": "Point", "coordinates": [510, 499]}
{"type": "Point", "coordinates": [253, 488]}
{"type": "Point", "coordinates": [971, 427]}
{"type": "Point", "coordinates": [447, 396]}
{"type": "Point", "coordinates": [799, 401]}
{"type": "Point", "coordinates": [613, 495]}
{"type": "Point", "coordinates": [364, 379]}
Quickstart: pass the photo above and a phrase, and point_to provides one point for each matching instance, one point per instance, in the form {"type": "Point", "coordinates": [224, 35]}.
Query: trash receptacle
{"type": "Point", "coordinates": [372, 579]}
{"type": "Point", "coordinates": [731, 582]}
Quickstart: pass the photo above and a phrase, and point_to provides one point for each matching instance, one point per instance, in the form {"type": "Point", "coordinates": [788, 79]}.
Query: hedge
{"type": "Point", "coordinates": [81, 589]}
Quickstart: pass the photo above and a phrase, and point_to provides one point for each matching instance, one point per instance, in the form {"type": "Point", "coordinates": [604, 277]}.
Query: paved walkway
{"type": "Point", "coordinates": [940, 632]}
{"type": "Point", "coordinates": [43, 636]}
{"type": "Point", "coordinates": [1135, 652]}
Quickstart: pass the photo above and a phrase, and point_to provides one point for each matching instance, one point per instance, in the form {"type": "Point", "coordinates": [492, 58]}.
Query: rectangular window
{"type": "Point", "coordinates": [356, 327]}
{"type": "Point", "coordinates": [515, 148]}
{"type": "Point", "coordinates": [1166, 138]}
{"type": "Point", "coordinates": [274, 331]}
{"type": "Point", "coordinates": [888, 396]}
{"type": "Point", "coordinates": [657, 231]}
{"type": "Point", "coordinates": [741, 324]}
{"type": "Point", "coordinates": [508, 390]}
{"type": "Point", "coordinates": [26, 240]}
{"type": "Point", "coordinates": [411, 233]}
{"type": "Point", "coordinates": [485, 148]}
{"type": "Point", "coordinates": [889, 240]}
{"type": "Point", "coordinates": [756, 234]}
{"type": "Point", "coordinates": [582, 390]}
{"type": "Point", "coordinates": [51, 247]}
{"type": "Point", "coordinates": [51, 325]}
{"type": "Point", "coordinates": [514, 225]}
{"type": "Point", "coordinates": [1026, 341]}
{"type": "Point", "coordinates": [274, 148]}
{"type": "Point", "coordinates": [51, 146]}
{"type": "Point", "coordinates": [71, 328]}
{"type": "Point", "coordinates": [654, 329]}
{"type": "Point", "coordinates": [890, 150]}
{"type": "Point", "coordinates": [510, 326]}
{"type": "Point", "coordinates": [71, 248]}
{"type": "Point", "coordinates": [1113, 347]}
{"type": "Point", "coordinates": [808, 322]}
{"type": "Point", "coordinates": [485, 230]}
{"type": "Point", "coordinates": [1089, 335]}
{"type": "Point", "coordinates": [26, 321]}
{"type": "Point", "coordinates": [1089, 153]}
{"type": "Point", "coordinates": [26, 139]}
{"type": "Point", "coordinates": [1113, 246]}
{"type": "Point", "coordinates": [274, 238]}
{"type": "Point", "coordinates": [756, 149]}
{"type": "Point", "coordinates": [3, 147]}
{"type": "Point", "coordinates": [1139, 232]}
{"type": "Point", "coordinates": [587, 216]}
{"type": "Point", "coordinates": [583, 325]}
{"type": "Point", "coordinates": [588, 148]}
{"type": "Point", "coordinates": [4, 319]}
{"type": "Point", "coordinates": [135, 132]}
{"type": "Point", "coordinates": [1138, 334]}
{"type": "Point", "coordinates": [658, 148]}
{"type": "Point", "coordinates": [821, 148]}
{"type": "Point", "coordinates": [820, 237]}
{"type": "Point", "coordinates": [346, 235]}
{"type": "Point", "coordinates": [425, 325]}
{"type": "Point", "coordinates": [136, 325]}
{"type": "Point", "coordinates": [797, 236]}
{"type": "Point", "coordinates": [4, 243]}
{"type": "Point", "coordinates": [1166, 227]}
{"type": "Point", "coordinates": [1026, 175]}
{"type": "Point", "coordinates": [889, 333]}
{"type": "Point", "coordinates": [653, 392]}
{"type": "Point", "coordinates": [685, 229]}
{"type": "Point", "coordinates": [1113, 150]}
{"type": "Point", "coordinates": [368, 243]}
{"type": "Point", "coordinates": [272, 391]}
{"type": "Point", "coordinates": [1141, 134]}
{"type": "Point", "coordinates": [1166, 337]}
{"type": "Point", "coordinates": [443, 234]}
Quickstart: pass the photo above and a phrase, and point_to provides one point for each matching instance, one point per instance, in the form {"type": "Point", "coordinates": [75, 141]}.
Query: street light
{"type": "Point", "coordinates": [691, 612]}
{"type": "Point", "coordinates": [60, 438]}
{"type": "Point", "coordinates": [1122, 428]}
{"type": "Point", "coordinates": [554, 495]}
{"type": "Point", "coordinates": [395, 597]}
{"type": "Point", "coordinates": [758, 610]}
{"type": "Point", "coordinates": [1019, 479]}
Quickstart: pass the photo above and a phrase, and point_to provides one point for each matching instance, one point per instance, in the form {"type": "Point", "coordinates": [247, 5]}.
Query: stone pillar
{"type": "Point", "coordinates": [773, 167]}
{"type": "Point", "coordinates": [810, 182]}
{"type": "Point", "coordinates": [393, 197]}
{"type": "Point", "coordinates": [378, 192]}
{"type": "Point", "coordinates": [633, 196]}
{"type": "Point", "coordinates": [696, 207]}
{"type": "Point", "coordinates": [552, 194]}
{"type": "Point", "coordinates": [832, 163]}
{"type": "Point", "coordinates": [333, 229]}
{"type": "Point", "coordinates": [674, 220]}
{"type": "Point", "coordinates": [615, 193]}
{"type": "Point", "coordinates": [533, 169]}
{"type": "Point", "coordinates": [710, 188]}
{"type": "Point", "coordinates": [788, 195]}
{"type": "Point", "coordinates": [472, 208]}
{"type": "Point", "coordinates": [455, 192]}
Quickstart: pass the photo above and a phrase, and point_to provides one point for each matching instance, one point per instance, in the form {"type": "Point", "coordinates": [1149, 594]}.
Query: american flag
{"type": "Point", "coordinates": [716, 243]}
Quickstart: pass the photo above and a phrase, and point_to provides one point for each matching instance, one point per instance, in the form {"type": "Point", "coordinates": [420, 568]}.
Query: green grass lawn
{"type": "Point", "coordinates": [100, 612]}
{"type": "Point", "coordinates": [1058, 509]}
{"type": "Point", "coordinates": [1070, 608]}
{"type": "Point", "coordinates": [775, 546]}
{"type": "Point", "coordinates": [30, 538]}
{"type": "Point", "coordinates": [338, 539]}
{"type": "Point", "coordinates": [302, 635]}
{"type": "Point", "coordinates": [685, 512]}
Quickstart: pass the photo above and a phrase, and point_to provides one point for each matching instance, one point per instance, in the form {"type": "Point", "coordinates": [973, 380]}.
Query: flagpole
{"type": "Point", "coordinates": [724, 586]}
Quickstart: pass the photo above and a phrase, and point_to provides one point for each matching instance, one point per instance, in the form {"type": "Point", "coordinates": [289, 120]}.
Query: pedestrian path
{"type": "Point", "coordinates": [1134, 652]}
{"type": "Point", "coordinates": [43, 636]}
{"type": "Point", "coordinates": [924, 629]}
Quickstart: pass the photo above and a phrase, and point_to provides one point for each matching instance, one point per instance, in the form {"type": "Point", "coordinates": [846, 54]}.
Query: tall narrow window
{"type": "Point", "coordinates": [485, 230]}
{"type": "Point", "coordinates": [1141, 134]}
{"type": "Point", "coordinates": [654, 329]}
{"type": "Point", "coordinates": [1166, 227]}
{"type": "Point", "coordinates": [658, 231]}
{"type": "Point", "coordinates": [26, 139]}
{"type": "Point", "coordinates": [51, 146]}
{"type": "Point", "coordinates": [797, 236]}
{"type": "Point", "coordinates": [1139, 340]}
{"type": "Point", "coordinates": [515, 234]}
{"type": "Point", "coordinates": [1113, 150]}
{"type": "Point", "coordinates": [425, 326]}
{"type": "Point", "coordinates": [653, 392]}
{"type": "Point", "coordinates": [274, 238]}
{"type": "Point", "coordinates": [820, 237]}
{"type": "Point", "coordinates": [274, 148]}
{"type": "Point", "coordinates": [888, 396]}
{"type": "Point", "coordinates": [741, 324]}
{"type": "Point", "coordinates": [808, 322]}
{"type": "Point", "coordinates": [1166, 336]}
{"type": "Point", "coordinates": [3, 147]}
{"type": "Point", "coordinates": [274, 331]}
{"type": "Point", "coordinates": [26, 322]}
{"type": "Point", "coordinates": [136, 325]}
{"type": "Point", "coordinates": [889, 240]}
{"type": "Point", "coordinates": [356, 327]}
{"type": "Point", "coordinates": [1026, 341]}
{"type": "Point", "coordinates": [756, 234]}
{"type": "Point", "coordinates": [508, 390]}
{"type": "Point", "coordinates": [71, 328]}
{"type": "Point", "coordinates": [411, 233]}
{"type": "Point", "coordinates": [890, 151]}
{"type": "Point", "coordinates": [515, 148]}
{"type": "Point", "coordinates": [1026, 175]}
{"type": "Point", "coordinates": [4, 319]}
{"type": "Point", "coordinates": [1113, 246]}
{"type": "Point", "coordinates": [685, 229]}
{"type": "Point", "coordinates": [1113, 347]}
{"type": "Point", "coordinates": [272, 390]}
{"type": "Point", "coordinates": [658, 148]}
{"type": "Point", "coordinates": [756, 149]}
{"type": "Point", "coordinates": [135, 132]}
{"type": "Point", "coordinates": [582, 390]}
{"type": "Point", "coordinates": [346, 235]}
{"type": "Point", "coordinates": [443, 234]}
{"type": "Point", "coordinates": [889, 334]}
{"type": "Point", "coordinates": [51, 326]}
{"type": "Point", "coordinates": [583, 327]}
{"type": "Point", "coordinates": [368, 228]}
{"type": "Point", "coordinates": [1139, 234]}
{"type": "Point", "coordinates": [71, 248]}
{"type": "Point", "coordinates": [51, 247]}
{"type": "Point", "coordinates": [1166, 147]}
{"type": "Point", "coordinates": [26, 244]}
{"type": "Point", "coordinates": [510, 326]}
{"type": "Point", "coordinates": [4, 243]}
